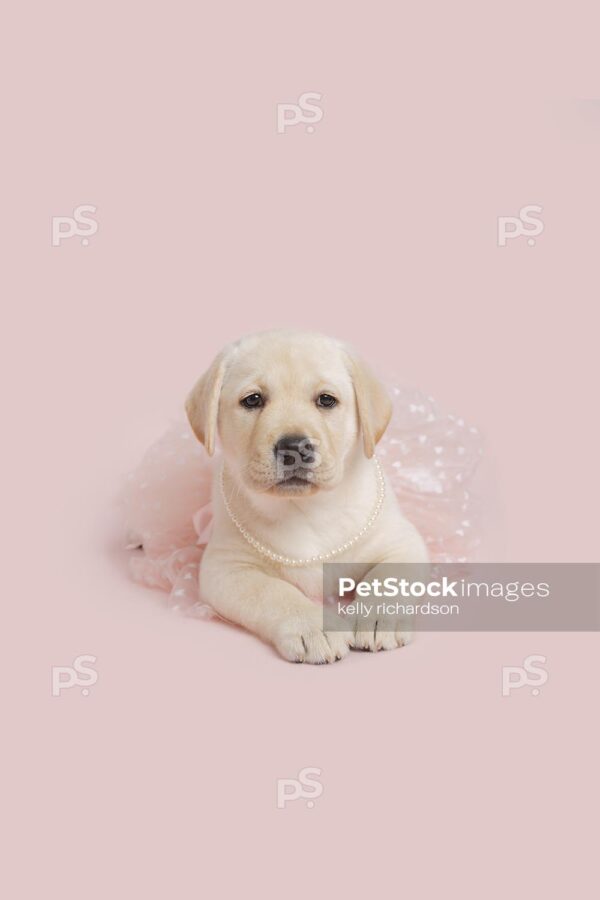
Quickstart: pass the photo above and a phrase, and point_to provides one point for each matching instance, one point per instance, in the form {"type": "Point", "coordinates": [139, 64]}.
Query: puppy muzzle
{"type": "Point", "coordinates": [296, 457]}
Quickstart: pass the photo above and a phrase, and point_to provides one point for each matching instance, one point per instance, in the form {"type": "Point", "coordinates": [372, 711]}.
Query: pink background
{"type": "Point", "coordinates": [381, 228]}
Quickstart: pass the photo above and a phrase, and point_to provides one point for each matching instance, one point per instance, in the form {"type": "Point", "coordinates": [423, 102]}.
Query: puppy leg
{"type": "Point", "coordinates": [273, 609]}
{"type": "Point", "coordinates": [384, 632]}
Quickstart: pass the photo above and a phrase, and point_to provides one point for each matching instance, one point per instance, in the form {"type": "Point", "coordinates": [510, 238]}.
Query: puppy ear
{"type": "Point", "coordinates": [373, 404]}
{"type": "Point", "coordinates": [202, 404]}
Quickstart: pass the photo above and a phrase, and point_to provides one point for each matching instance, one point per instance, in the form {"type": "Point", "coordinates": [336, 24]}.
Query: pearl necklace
{"type": "Point", "coordinates": [321, 557]}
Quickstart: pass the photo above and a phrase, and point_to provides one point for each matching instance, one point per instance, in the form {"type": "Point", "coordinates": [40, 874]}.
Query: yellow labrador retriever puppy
{"type": "Point", "coordinates": [298, 417]}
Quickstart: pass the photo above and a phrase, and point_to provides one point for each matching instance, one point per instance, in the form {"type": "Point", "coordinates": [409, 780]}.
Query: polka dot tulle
{"type": "Point", "coordinates": [429, 457]}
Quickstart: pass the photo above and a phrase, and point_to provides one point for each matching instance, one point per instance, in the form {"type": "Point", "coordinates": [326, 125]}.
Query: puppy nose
{"type": "Point", "coordinates": [290, 446]}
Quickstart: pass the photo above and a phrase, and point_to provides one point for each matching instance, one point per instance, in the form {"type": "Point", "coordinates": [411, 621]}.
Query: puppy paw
{"type": "Point", "coordinates": [378, 634]}
{"type": "Point", "coordinates": [305, 642]}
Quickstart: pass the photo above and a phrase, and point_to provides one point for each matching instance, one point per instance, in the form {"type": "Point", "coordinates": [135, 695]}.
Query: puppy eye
{"type": "Point", "coordinates": [252, 401]}
{"type": "Point", "coordinates": [326, 401]}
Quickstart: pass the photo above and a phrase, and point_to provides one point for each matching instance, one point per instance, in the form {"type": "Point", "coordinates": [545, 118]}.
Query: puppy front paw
{"type": "Point", "coordinates": [378, 633]}
{"type": "Point", "coordinates": [304, 641]}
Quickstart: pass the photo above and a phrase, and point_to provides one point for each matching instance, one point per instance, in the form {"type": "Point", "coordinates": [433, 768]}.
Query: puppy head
{"type": "Point", "coordinates": [289, 409]}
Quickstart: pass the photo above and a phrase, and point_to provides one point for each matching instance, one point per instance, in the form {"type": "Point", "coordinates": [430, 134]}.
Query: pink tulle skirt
{"type": "Point", "coordinates": [430, 459]}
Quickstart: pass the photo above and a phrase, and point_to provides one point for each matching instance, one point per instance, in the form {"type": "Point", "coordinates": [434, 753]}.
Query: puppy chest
{"type": "Point", "coordinates": [309, 580]}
